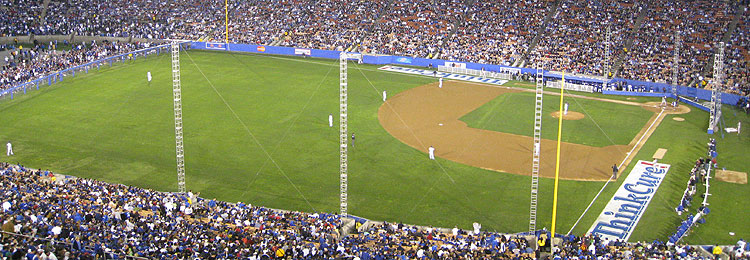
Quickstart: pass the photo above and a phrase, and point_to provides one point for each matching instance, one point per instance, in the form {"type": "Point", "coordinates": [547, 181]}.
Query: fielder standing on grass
{"type": "Point", "coordinates": [383, 95]}
{"type": "Point", "coordinates": [330, 120]}
{"type": "Point", "coordinates": [352, 139]}
{"type": "Point", "coordinates": [148, 76]}
{"type": "Point", "coordinates": [10, 149]}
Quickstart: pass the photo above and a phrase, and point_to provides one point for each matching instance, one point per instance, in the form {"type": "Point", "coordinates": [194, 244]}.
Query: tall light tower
{"type": "Point", "coordinates": [676, 64]}
{"type": "Point", "coordinates": [177, 94]}
{"type": "Point", "coordinates": [716, 84]}
{"type": "Point", "coordinates": [343, 135]}
{"type": "Point", "coordinates": [536, 150]}
{"type": "Point", "coordinates": [607, 57]}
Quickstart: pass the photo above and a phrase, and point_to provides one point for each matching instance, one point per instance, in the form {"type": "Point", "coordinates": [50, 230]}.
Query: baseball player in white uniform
{"type": "Point", "coordinates": [440, 83]}
{"type": "Point", "coordinates": [384, 95]}
{"type": "Point", "coordinates": [330, 120]}
{"type": "Point", "coordinates": [565, 108]}
{"type": "Point", "coordinates": [10, 149]}
{"type": "Point", "coordinates": [431, 151]}
{"type": "Point", "coordinates": [148, 76]}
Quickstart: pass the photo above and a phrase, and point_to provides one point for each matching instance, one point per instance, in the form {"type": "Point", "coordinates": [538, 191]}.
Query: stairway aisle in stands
{"type": "Point", "coordinates": [45, 6]}
{"type": "Point", "coordinates": [642, 14]}
{"type": "Point", "coordinates": [456, 24]}
{"type": "Point", "coordinates": [708, 70]}
{"type": "Point", "coordinates": [539, 32]}
{"type": "Point", "coordinates": [383, 12]}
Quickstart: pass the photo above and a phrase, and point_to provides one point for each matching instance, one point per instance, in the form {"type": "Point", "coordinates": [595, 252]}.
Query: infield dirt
{"type": "Point", "coordinates": [429, 116]}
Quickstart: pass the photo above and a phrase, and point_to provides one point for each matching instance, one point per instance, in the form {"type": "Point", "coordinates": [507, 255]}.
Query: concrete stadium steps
{"type": "Point", "coordinates": [620, 59]}
{"type": "Point", "coordinates": [278, 41]}
{"type": "Point", "coordinates": [539, 32]}
{"type": "Point", "coordinates": [386, 9]}
{"type": "Point", "coordinates": [457, 23]}
{"type": "Point", "coordinates": [43, 15]}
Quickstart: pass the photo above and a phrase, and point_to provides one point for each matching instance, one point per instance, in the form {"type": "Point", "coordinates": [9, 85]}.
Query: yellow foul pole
{"type": "Point", "coordinates": [557, 164]}
{"type": "Point", "coordinates": [226, 21]}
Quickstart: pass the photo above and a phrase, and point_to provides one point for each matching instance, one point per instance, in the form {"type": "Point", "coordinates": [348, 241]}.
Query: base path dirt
{"type": "Point", "coordinates": [414, 117]}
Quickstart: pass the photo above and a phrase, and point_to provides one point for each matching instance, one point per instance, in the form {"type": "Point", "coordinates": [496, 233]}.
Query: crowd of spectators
{"type": "Point", "coordinates": [46, 216]}
{"type": "Point", "coordinates": [574, 40]}
{"type": "Point", "coordinates": [738, 57]}
{"type": "Point", "coordinates": [495, 32]}
{"type": "Point", "coordinates": [19, 16]}
{"type": "Point", "coordinates": [24, 64]}
{"type": "Point", "coordinates": [700, 24]}
{"type": "Point", "coordinates": [120, 18]}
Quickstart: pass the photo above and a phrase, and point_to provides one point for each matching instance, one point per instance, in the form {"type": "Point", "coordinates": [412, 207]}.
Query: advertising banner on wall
{"type": "Point", "coordinates": [403, 60]}
{"type": "Point", "coordinates": [624, 210]}
{"type": "Point", "coordinates": [455, 64]}
{"type": "Point", "coordinates": [302, 52]}
{"type": "Point", "coordinates": [432, 73]}
{"type": "Point", "coordinates": [216, 45]}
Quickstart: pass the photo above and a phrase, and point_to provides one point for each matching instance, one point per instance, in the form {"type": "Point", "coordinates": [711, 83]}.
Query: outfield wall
{"type": "Point", "coordinates": [72, 38]}
{"type": "Point", "coordinates": [639, 87]}
{"type": "Point", "coordinates": [59, 76]}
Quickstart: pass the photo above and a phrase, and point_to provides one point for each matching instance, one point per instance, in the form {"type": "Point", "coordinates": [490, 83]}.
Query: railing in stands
{"type": "Point", "coordinates": [58, 76]}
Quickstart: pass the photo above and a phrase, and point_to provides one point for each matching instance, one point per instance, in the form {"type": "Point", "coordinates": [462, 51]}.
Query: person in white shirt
{"type": "Point", "coordinates": [51, 256]}
{"type": "Point", "coordinates": [148, 76]}
{"type": "Point", "coordinates": [431, 151]}
{"type": "Point", "coordinates": [10, 149]}
{"type": "Point", "coordinates": [440, 83]}
{"type": "Point", "coordinates": [477, 227]}
{"type": "Point", "coordinates": [383, 95]}
{"type": "Point", "coordinates": [330, 120]}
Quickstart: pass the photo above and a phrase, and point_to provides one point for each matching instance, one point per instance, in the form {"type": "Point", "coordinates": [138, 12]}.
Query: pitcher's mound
{"type": "Point", "coordinates": [731, 176]}
{"type": "Point", "coordinates": [572, 115]}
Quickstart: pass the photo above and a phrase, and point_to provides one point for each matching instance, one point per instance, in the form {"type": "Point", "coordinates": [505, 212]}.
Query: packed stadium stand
{"type": "Point", "coordinates": [44, 214]}
{"type": "Point", "coordinates": [569, 32]}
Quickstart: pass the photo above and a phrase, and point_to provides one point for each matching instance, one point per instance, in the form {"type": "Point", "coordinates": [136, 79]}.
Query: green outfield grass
{"type": "Point", "coordinates": [604, 123]}
{"type": "Point", "coordinates": [262, 137]}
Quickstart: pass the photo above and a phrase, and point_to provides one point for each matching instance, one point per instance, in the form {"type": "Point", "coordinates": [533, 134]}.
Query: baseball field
{"type": "Point", "coordinates": [256, 130]}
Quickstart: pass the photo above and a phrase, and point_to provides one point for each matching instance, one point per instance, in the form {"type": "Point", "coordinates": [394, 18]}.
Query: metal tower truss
{"type": "Point", "coordinates": [537, 146]}
{"type": "Point", "coordinates": [607, 57]}
{"type": "Point", "coordinates": [177, 94]}
{"type": "Point", "coordinates": [716, 83]}
{"type": "Point", "coordinates": [343, 134]}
